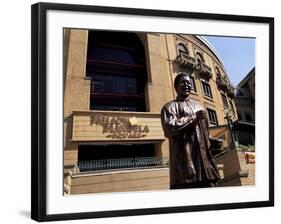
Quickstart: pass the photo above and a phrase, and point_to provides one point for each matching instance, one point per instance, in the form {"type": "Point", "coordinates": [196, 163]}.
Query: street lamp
{"type": "Point", "coordinates": [227, 113]}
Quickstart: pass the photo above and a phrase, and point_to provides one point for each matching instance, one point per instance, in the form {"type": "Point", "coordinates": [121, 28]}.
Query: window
{"type": "Point", "coordinates": [199, 58]}
{"type": "Point", "coordinates": [239, 93]}
{"type": "Point", "coordinates": [248, 117]}
{"type": "Point", "coordinates": [193, 86]}
{"type": "Point", "coordinates": [114, 84]}
{"type": "Point", "coordinates": [117, 69]}
{"type": "Point", "coordinates": [224, 100]}
{"type": "Point", "coordinates": [212, 117]}
{"type": "Point", "coordinates": [217, 70]}
{"type": "Point", "coordinates": [182, 48]}
{"type": "Point", "coordinates": [207, 89]}
{"type": "Point", "coordinates": [218, 73]}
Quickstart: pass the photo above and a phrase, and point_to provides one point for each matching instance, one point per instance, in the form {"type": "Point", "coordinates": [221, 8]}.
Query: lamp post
{"type": "Point", "coordinates": [227, 117]}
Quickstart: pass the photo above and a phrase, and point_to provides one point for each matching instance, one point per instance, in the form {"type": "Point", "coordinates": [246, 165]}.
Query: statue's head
{"type": "Point", "coordinates": [182, 84]}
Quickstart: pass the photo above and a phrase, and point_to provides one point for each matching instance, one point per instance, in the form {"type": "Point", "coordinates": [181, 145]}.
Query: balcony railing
{"type": "Point", "coordinates": [222, 83]}
{"type": "Point", "coordinates": [204, 70]}
{"type": "Point", "coordinates": [184, 60]}
{"type": "Point", "coordinates": [122, 163]}
{"type": "Point", "coordinates": [230, 91]}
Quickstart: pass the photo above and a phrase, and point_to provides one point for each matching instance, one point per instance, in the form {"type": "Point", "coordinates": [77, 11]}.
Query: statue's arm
{"type": "Point", "coordinates": [172, 125]}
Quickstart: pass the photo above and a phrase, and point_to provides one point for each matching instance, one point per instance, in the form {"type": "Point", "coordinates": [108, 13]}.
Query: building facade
{"type": "Point", "coordinates": [115, 84]}
{"type": "Point", "coordinates": [244, 128]}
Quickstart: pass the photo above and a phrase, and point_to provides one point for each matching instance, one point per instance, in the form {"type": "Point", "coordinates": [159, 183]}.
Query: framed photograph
{"type": "Point", "coordinates": [140, 111]}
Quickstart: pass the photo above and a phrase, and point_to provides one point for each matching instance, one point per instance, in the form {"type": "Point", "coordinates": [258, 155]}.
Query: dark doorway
{"type": "Point", "coordinates": [96, 152]}
{"type": "Point", "coordinates": [112, 157]}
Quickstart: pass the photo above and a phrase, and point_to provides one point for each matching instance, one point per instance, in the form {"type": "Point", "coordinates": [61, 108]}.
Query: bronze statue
{"type": "Point", "coordinates": [185, 124]}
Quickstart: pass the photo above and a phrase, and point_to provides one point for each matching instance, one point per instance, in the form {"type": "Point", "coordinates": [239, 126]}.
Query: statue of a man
{"type": "Point", "coordinates": [185, 124]}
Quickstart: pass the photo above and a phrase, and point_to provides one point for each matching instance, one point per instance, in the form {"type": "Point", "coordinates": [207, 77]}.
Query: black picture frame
{"type": "Point", "coordinates": [39, 112]}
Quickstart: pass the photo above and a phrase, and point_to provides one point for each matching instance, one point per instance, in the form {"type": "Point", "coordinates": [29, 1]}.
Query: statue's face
{"type": "Point", "coordinates": [184, 86]}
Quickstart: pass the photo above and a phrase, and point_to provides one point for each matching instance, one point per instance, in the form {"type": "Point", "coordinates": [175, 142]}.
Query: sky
{"type": "Point", "coordinates": [237, 55]}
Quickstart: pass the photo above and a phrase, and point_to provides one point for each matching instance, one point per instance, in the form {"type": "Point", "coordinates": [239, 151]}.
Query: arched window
{"type": "Point", "coordinates": [182, 48]}
{"type": "Point", "coordinates": [199, 58]}
{"type": "Point", "coordinates": [117, 69]}
{"type": "Point", "coordinates": [218, 73]}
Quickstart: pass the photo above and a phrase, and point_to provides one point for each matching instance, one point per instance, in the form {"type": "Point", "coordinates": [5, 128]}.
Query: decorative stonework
{"type": "Point", "coordinates": [222, 83]}
{"type": "Point", "coordinates": [230, 91]}
{"type": "Point", "coordinates": [225, 86]}
{"type": "Point", "coordinates": [203, 70]}
{"type": "Point", "coordinates": [184, 60]}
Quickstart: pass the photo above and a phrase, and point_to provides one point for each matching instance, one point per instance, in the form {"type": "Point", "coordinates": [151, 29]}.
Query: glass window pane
{"type": "Point", "coordinates": [108, 86]}
{"type": "Point", "coordinates": [207, 89]}
{"type": "Point", "coordinates": [131, 86]}
{"type": "Point", "coordinates": [224, 100]}
{"type": "Point", "coordinates": [116, 66]}
{"type": "Point", "coordinates": [212, 116]}
{"type": "Point", "coordinates": [97, 86]}
{"type": "Point", "coordinates": [111, 54]}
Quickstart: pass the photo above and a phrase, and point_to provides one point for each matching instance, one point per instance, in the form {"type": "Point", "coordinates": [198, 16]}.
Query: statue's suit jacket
{"type": "Point", "coordinates": [190, 158]}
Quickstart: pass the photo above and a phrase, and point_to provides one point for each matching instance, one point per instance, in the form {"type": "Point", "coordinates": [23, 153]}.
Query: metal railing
{"type": "Point", "coordinates": [185, 60]}
{"type": "Point", "coordinates": [230, 91]}
{"type": "Point", "coordinates": [122, 163]}
{"type": "Point", "coordinates": [222, 83]}
{"type": "Point", "coordinates": [204, 70]}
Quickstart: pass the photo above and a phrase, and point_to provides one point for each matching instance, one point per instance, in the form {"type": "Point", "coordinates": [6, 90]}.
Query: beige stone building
{"type": "Point", "coordinates": [115, 84]}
